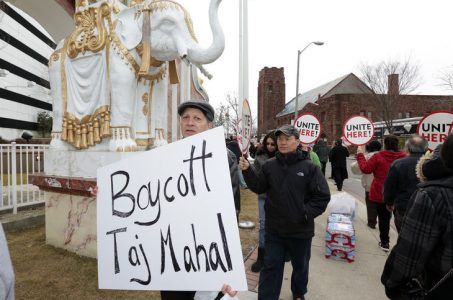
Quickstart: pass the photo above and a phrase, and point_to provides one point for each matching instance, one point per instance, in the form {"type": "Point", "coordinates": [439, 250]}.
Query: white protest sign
{"type": "Point", "coordinates": [358, 130]}
{"type": "Point", "coordinates": [309, 128]}
{"type": "Point", "coordinates": [245, 127]}
{"type": "Point", "coordinates": [166, 219]}
{"type": "Point", "coordinates": [435, 127]}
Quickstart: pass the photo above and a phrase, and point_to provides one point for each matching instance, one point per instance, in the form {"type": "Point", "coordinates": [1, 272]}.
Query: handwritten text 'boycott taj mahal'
{"type": "Point", "coordinates": [194, 256]}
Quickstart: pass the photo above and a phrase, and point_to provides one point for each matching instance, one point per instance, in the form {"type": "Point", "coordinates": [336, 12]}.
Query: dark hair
{"type": "Point", "coordinates": [264, 146]}
{"type": "Point", "coordinates": [446, 152]}
{"type": "Point", "coordinates": [338, 142]}
{"type": "Point", "coordinates": [391, 143]}
{"type": "Point", "coordinates": [374, 146]}
{"type": "Point", "coordinates": [416, 144]}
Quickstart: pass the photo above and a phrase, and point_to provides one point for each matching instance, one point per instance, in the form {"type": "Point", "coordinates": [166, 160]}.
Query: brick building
{"type": "Point", "coordinates": [336, 101]}
{"type": "Point", "coordinates": [271, 98]}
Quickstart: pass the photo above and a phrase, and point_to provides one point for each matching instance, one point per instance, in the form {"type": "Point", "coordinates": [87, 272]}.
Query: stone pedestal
{"type": "Point", "coordinates": [68, 182]}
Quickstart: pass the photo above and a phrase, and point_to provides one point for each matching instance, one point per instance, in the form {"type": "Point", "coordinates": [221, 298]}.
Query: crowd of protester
{"type": "Point", "coordinates": [289, 179]}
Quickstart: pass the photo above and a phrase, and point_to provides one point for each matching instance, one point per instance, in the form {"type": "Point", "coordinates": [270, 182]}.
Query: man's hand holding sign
{"type": "Point", "coordinates": [173, 226]}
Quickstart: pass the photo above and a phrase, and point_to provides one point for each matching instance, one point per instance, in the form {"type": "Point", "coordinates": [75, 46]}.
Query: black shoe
{"type": "Point", "coordinates": [372, 226]}
{"type": "Point", "coordinates": [384, 246]}
{"type": "Point", "coordinates": [259, 263]}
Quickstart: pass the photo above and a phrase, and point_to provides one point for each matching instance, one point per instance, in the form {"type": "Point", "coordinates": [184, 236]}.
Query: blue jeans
{"type": "Point", "coordinates": [271, 275]}
{"type": "Point", "coordinates": [241, 179]}
{"type": "Point", "coordinates": [262, 215]}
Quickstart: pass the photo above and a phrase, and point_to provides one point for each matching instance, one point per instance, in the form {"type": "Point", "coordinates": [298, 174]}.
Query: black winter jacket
{"type": "Point", "coordinates": [298, 192]}
{"type": "Point", "coordinates": [401, 182]}
{"type": "Point", "coordinates": [425, 244]}
{"type": "Point", "coordinates": [234, 174]}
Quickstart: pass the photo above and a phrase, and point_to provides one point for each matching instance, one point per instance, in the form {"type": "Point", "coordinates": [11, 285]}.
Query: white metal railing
{"type": "Point", "coordinates": [17, 161]}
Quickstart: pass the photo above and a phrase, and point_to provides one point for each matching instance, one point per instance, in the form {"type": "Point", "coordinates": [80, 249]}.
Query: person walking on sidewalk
{"type": "Point", "coordinates": [424, 249]}
{"type": "Point", "coordinates": [298, 193]}
{"type": "Point", "coordinates": [266, 152]}
{"type": "Point", "coordinates": [379, 165]}
{"type": "Point", "coordinates": [371, 148]}
{"type": "Point", "coordinates": [322, 150]}
{"type": "Point", "coordinates": [402, 181]}
{"type": "Point", "coordinates": [337, 158]}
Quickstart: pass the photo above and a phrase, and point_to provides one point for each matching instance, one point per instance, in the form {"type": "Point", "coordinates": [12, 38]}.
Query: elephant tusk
{"type": "Point", "coordinates": [185, 59]}
{"type": "Point", "coordinates": [204, 71]}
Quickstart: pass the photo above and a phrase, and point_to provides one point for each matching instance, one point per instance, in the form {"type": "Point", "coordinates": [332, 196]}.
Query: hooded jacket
{"type": "Point", "coordinates": [425, 244]}
{"type": "Point", "coordinates": [367, 179]}
{"type": "Point", "coordinates": [378, 165]}
{"type": "Point", "coordinates": [298, 192]}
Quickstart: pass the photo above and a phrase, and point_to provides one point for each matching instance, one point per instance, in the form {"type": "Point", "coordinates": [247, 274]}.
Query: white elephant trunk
{"type": "Point", "coordinates": [198, 55]}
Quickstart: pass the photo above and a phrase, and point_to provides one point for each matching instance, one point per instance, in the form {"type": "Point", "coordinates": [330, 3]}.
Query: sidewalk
{"type": "Point", "coordinates": [330, 279]}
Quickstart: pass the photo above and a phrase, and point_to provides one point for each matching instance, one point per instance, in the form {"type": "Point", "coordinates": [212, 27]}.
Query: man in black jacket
{"type": "Point", "coordinates": [298, 192]}
{"type": "Point", "coordinates": [401, 181]}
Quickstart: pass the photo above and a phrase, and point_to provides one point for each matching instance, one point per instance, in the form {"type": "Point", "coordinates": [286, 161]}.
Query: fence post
{"type": "Point", "coordinates": [14, 176]}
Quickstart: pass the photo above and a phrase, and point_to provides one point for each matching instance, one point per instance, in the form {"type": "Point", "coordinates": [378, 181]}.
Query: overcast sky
{"type": "Point", "coordinates": [354, 31]}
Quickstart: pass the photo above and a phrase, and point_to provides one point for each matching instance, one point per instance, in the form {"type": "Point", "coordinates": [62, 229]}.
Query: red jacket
{"type": "Point", "coordinates": [379, 165]}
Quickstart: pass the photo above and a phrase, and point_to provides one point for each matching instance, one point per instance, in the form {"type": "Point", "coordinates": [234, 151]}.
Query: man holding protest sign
{"type": "Point", "coordinates": [298, 192]}
{"type": "Point", "coordinates": [196, 117]}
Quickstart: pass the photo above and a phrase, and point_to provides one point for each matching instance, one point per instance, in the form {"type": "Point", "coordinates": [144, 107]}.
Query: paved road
{"type": "Point", "coordinates": [351, 185]}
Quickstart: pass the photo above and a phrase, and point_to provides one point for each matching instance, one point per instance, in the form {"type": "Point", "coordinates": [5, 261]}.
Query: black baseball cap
{"type": "Point", "coordinates": [204, 106]}
{"type": "Point", "coordinates": [288, 130]}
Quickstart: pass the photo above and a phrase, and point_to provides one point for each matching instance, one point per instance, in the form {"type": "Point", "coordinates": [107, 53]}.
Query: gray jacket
{"type": "Point", "coordinates": [234, 173]}
{"type": "Point", "coordinates": [6, 270]}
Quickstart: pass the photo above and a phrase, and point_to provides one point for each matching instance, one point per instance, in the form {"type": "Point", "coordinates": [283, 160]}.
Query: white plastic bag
{"type": "Point", "coordinates": [343, 203]}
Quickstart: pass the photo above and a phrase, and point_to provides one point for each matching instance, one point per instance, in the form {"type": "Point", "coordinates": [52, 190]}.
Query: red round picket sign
{"type": "Point", "coordinates": [309, 128]}
{"type": "Point", "coordinates": [435, 127]}
{"type": "Point", "coordinates": [358, 130]}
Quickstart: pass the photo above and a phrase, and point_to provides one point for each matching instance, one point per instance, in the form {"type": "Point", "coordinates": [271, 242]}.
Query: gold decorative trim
{"type": "Point", "coordinates": [160, 5]}
{"type": "Point", "coordinates": [90, 33]}
{"type": "Point", "coordinates": [88, 131]}
{"type": "Point", "coordinates": [145, 99]}
{"type": "Point", "coordinates": [129, 59]}
{"type": "Point", "coordinates": [142, 142]}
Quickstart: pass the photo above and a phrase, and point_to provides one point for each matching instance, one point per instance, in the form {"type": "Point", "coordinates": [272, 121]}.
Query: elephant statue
{"type": "Point", "coordinates": [109, 78]}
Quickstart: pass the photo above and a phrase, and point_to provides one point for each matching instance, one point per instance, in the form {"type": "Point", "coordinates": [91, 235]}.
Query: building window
{"type": "Point", "coordinates": [362, 113]}
{"type": "Point", "coordinates": [400, 115]}
{"type": "Point", "coordinates": [323, 116]}
{"type": "Point", "coordinates": [369, 114]}
{"type": "Point", "coordinates": [408, 114]}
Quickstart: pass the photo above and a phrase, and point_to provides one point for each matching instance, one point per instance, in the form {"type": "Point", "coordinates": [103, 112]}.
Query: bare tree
{"type": "Point", "coordinates": [446, 78]}
{"type": "Point", "coordinates": [227, 114]}
{"type": "Point", "coordinates": [388, 101]}
{"type": "Point", "coordinates": [222, 117]}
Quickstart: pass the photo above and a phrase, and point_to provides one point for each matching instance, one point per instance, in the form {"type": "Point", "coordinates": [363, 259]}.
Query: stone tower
{"type": "Point", "coordinates": [271, 98]}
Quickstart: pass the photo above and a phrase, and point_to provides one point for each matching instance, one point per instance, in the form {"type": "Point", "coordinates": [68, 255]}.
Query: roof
{"type": "Point", "coordinates": [347, 84]}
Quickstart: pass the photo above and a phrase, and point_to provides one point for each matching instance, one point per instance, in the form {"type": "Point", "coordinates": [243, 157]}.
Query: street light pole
{"type": "Point", "coordinates": [296, 107]}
